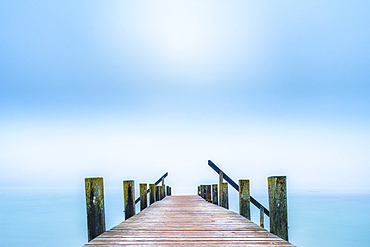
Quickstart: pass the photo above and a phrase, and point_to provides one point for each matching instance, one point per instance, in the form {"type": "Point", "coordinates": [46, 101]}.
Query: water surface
{"type": "Point", "coordinates": [57, 217]}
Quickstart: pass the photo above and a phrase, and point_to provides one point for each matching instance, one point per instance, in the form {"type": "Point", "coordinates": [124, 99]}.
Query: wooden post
{"type": "Point", "coordinates": [244, 199]}
{"type": "Point", "coordinates": [199, 190]}
{"type": "Point", "coordinates": [220, 181]}
{"type": "Point", "coordinates": [262, 217]}
{"type": "Point", "coordinates": [94, 207]}
{"type": "Point", "coordinates": [214, 194]}
{"type": "Point", "coordinates": [170, 194]}
{"type": "Point", "coordinates": [163, 191]}
{"type": "Point", "coordinates": [129, 198]}
{"type": "Point", "coordinates": [278, 206]}
{"type": "Point", "coordinates": [224, 198]}
{"type": "Point", "coordinates": [143, 196]}
{"type": "Point", "coordinates": [208, 193]}
{"type": "Point", "coordinates": [168, 190]}
{"type": "Point", "coordinates": [162, 181]}
{"type": "Point", "coordinates": [202, 191]}
{"type": "Point", "coordinates": [160, 192]}
{"type": "Point", "coordinates": [151, 193]}
{"type": "Point", "coordinates": [157, 193]}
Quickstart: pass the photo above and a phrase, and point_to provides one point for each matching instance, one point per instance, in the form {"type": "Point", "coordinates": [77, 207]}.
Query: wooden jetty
{"type": "Point", "coordinates": [186, 221]}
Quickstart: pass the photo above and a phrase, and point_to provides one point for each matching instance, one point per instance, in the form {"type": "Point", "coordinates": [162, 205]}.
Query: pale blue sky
{"type": "Point", "coordinates": [132, 89]}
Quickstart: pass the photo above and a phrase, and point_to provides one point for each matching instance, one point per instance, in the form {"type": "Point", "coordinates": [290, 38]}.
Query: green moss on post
{"type": "Point", "coordinates": [143, 196]}
{"type": "Point", "coordinates": [214, 194]}
{"type": "Point", "coordinates": [94, 207]}
{"type": "Point", "coordinates": [151, 194]}
{"type": "Point", "coordinates": [278, 206]}
{"type": "Point", "coordinates": [129, 198]}
{"type": "Point", "coordinates": [224, 195]}
{"type": "Point", "coordinates": [244, 199]}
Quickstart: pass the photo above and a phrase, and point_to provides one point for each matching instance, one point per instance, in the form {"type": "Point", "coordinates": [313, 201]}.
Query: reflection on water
{"type": "Point", "coordinates": [57, 217]}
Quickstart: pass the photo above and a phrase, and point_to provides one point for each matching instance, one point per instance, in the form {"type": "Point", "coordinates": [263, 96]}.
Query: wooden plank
{"type": "Point", "coordinates": [187, 221]}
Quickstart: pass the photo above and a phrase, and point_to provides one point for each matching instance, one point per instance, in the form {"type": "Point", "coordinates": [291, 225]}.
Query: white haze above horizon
{"type": "Point", "coordinates": [133, 89]}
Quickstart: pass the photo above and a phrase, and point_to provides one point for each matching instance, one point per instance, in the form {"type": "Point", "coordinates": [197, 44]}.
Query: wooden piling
{"type": "Point", "coordinates": [244, 199]}
{"type": "Point", "coordinates": [129, 198]}
{"type": "Point", "coordinates": [151, 194]}
{"type": "Point", "coordinates": [143, 196]}
{"type": "Point", "coordinates": [220, 181]}
{"type": "Point", "coordinates": [209, 193]}
{"type": "Point", "coordinates": [199, 190]}
{"type": "Point", "coordinates": [224, 195]}
{"type": "Point", "coordinates": [168, 192]}
{"type": "Point", "coordinates": [278, 206]}
{"type": "Point", "coordinates": [157, 193]}
{"type": "Point", "coordinates": [214, 194]}
{"type": "Point", "coordinates": [262, 217]}
{"type": "Point", "coordinates": [203, 191]}
{"type": "Point", "coordinates": [163, 191]}
{"type": "Point", "coordinates": [94, 207]}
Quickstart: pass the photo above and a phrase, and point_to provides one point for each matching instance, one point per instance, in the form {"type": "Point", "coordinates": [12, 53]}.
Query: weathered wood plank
{"type": "Point", "coordinates": [187, 221]}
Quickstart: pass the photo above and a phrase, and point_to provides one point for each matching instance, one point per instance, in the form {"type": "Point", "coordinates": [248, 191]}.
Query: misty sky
{"type": "Point", "coordinates": [132, 89]}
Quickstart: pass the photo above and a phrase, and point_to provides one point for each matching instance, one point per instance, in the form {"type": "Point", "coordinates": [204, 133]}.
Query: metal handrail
{"type": "Point", "coordinates": [236, 186]}
{"type": "Point", "coordinates": [158, 181]}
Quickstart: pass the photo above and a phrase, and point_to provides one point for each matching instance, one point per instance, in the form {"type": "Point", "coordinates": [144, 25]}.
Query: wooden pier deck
{"type": "Point", "coordinates": [187, 221]}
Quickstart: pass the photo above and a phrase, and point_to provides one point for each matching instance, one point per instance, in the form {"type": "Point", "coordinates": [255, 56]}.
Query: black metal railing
{"type": "Point", "coordinates": [156, 183]}
{"type": "Point", "coordinates": [236, 186]}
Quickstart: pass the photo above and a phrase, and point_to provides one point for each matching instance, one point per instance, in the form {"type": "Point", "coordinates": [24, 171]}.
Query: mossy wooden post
{"type": "Point", "coordinates": [151, 194]}
{"type": "Point", "coordinates": [157, 193]}
{"type": "Point", "coordinates": [202, 191]}
{"type": "Point", "coordinates": [129, 198]}
{"type": "Point", "coordinates": [95, 207]}
{"type": "Point", "coordinates": [199, 190]}
{"type": "Point", "coordinates": [160, 192]}
{"type": "Point", "coordinates": [209, 193]}
{"type": "Point", "coordinates": [143, 196]}
{"type": "Point", "coordinates": [163, 191]}
{"type": "Point", "coordinates": [168, 190]}
{"type": "Point", "coordinates": [214, 194]}
{"type": "Point", "coordinates": [244, 199]}
{"type": "Point", "coordinates": [220, 181]}
{"type": "Point", "coordinates": [224, 195]}
{"type": "Point", "coordinates": [278, 206]}
{"type": "Point", "coordinates": [205, 192]}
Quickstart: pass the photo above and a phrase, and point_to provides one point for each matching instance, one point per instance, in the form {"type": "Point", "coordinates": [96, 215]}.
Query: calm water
{"type": "Point", "coordinates": [56, 217]}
